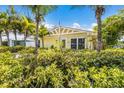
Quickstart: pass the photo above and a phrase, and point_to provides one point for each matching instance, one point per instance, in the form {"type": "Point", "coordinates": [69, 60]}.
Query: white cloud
{"type": "Point", "coordinates": [76, 25]}
{"type": "Point", "coordinates": [84, 27]}
{"type": "Point", "coordinates": [49, 25]}
{"type": "Point", "coordinates": [93, 24]}
{"type": "Point", "coordinates": [90, 27]}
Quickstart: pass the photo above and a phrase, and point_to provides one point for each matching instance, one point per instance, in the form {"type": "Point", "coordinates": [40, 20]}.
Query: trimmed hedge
{"type": "Point", "coordinates": [14, 49]}
{"type": "Point", "coordinates": [72, 69]}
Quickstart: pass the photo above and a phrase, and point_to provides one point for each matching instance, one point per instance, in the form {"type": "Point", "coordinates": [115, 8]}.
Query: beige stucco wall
{"type": "Point", "coordinates": [54, 40]}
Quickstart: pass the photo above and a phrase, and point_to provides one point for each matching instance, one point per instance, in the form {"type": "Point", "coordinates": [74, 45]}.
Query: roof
{"type": "Point", "coordinates": [68, 30]}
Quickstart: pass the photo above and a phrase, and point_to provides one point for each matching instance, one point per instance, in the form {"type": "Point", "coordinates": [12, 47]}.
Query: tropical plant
{"type": "Point", "coordinates": [112, 30]}
{"type": "Point", "coordinates": [39, 12]}
{"type": "Point", "coordinates": [69, 69]}
{"type": "Point", "coordinates": [5, 23]}
{"type": "Point", "coordinates": [1, 30]}
{"type": "Point", "coordinates": [27, 27]}
{"type": "Point", "coordinates": [15, 22]}
{"type": "Point", "coordinates": [42, 32]}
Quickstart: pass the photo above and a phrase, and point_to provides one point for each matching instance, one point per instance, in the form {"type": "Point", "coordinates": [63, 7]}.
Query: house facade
{"type": "Point", "coordinates": [20, 40]}
{"type": "Point", "coordinates": [70, 38]}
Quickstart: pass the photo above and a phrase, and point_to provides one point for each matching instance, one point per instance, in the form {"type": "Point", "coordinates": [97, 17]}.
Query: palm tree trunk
{"type": "Point", "coordinates": [7, 34]}
{"type": "Point", "coordinates": [99, 34]}
{"type": "Point", "coordinates": [25, 38]}
{"type": "Point", "coordinates": [36, 41]}
{"type": "Point", "coordinates": [15, 37]}
{"type": "Point", "coordinates": [36, 37]}
{"type": "Point", "coordinates": [0, 38]}
{"type": "Point", "coordinates": [43, 41]}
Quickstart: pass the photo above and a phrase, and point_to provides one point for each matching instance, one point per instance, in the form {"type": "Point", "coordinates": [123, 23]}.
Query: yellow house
{"type": "Point", "coordinates": [70, 38]}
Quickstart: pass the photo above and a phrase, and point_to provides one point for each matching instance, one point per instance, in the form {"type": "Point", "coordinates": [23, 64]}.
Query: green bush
{"type": "Point", "coordinates": [107, 77]}
{"type": "Point", "coordinates": [69, 68]}
{"type": "Point", "coordinates": [13, 49]}
{"type": "Point", "coordinates": [10, 70]}
{"type": "Point", "coordinates": [4, 49]}
{"type": "Point", "coordinates": [108, 57]}
{"type": "Point", "coordinates": [77, 78]}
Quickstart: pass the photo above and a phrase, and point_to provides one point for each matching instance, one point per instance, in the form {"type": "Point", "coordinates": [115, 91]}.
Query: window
{"type": "Point", "coordinates": [78, 43]}
{"type": "Point", "coordinates": [63, 43]}
{"type": "Point", "coordinates": [18, 43]}
{"type": "Point", "coordinates": [81, 43]}
{"type": "Point", "coordinates": [73, 43]}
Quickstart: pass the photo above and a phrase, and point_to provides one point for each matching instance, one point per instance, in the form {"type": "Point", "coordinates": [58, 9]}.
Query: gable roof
{"type": "Point", "coordinates": [67, 30]}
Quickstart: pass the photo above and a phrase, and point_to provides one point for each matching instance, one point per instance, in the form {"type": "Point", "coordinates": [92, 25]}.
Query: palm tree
{"type": "Point", "coordinates": [27, 26]}
{"type": "Point", "coordinates": [1, 30]}
{"type": "Point", "coordinates": [39, 12]}
{"type": "Point", "coordinates": [42, 32]}
{"type": "Point", "coordinates": [15, 26]}
{"type": "Point", "coordinates": [14, 20]}
{"type": "Point", "coordinates": [99, 10]}
{"type": "Point", "coordinates": [4, 22]}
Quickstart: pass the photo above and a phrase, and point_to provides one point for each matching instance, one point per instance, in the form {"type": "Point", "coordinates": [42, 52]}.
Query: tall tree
{"type": "Point", "coordinates": [39, 12]}
{"type": "Point", "coordinates": [1, 30]}
{"type": "Point", "coordinates": [99, 10]}
{"type": "Point", "coordinates": [4, 22]}
{"type": "Point", "coordinates": [28, 27]}
{"type": "Point", "coordinates": [14, 20]}
{"type": "Point", "coordinates": [112, 29]}
{"type": "Point", "coordinates": [42, 32]}
{"type": "Point", "coordinates": [7, 22]}
{"type": "Point", "coordinates": [1, 27]}
{"type": "Point", "coordinates": [98, 13]}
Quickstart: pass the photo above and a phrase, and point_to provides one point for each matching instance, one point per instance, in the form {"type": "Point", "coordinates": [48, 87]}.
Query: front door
{"type": "Point", "coordinates": [63, 43]}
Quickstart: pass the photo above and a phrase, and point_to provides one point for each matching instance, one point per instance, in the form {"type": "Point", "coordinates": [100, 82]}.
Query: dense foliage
{"type": "Point", "coordinates": [112, 30]}
{"type": "Point", "coordinates": [68, 68]}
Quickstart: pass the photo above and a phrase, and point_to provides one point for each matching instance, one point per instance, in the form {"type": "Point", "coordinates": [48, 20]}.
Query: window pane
{"type": "Point", "coordinates": [73, 43]}
{"type": "Point", "coordinates": [81, 43]}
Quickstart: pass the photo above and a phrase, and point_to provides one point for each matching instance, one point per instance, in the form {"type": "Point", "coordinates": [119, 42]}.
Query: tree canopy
{"type": "Point", "coordinates": [112, 29]}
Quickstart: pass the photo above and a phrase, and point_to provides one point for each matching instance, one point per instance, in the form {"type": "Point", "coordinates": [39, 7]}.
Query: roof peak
{"type": "Point", "coordinates": [71, 28]}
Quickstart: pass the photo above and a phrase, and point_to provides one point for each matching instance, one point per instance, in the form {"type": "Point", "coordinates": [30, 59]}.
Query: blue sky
{"type": "Point", "coordinates": [83, 18]}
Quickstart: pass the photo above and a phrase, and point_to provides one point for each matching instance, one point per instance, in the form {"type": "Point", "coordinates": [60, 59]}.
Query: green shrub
{"type": "Point", "coordinates": [45, 77]}
{"type": "Point", "coordinates": [13, 49]}
{"type": "Point", "coordinates": [107, 77]}
{"type": "Point", "coordinates": [69, 68]}
{"type": "Point", "coordinates": [4, 49]}
{"type": "Point", "coordinates": [10, 70]}
{"type": "Point", "coordinates": [108, 58]}
{"type": "Point", "coordinates": [77, 78]}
